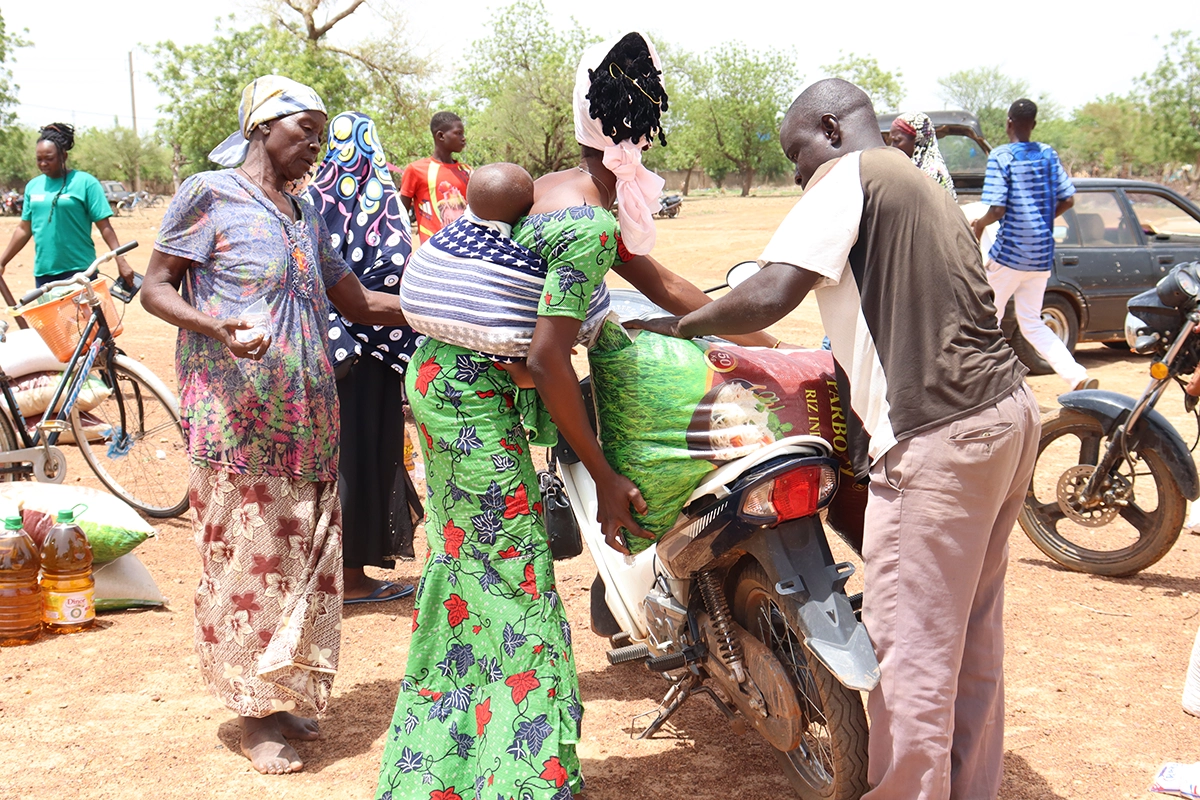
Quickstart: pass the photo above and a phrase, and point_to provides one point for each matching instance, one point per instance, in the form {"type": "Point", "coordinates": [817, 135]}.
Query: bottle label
{"type": "Point", "coordinates": [69, 608]}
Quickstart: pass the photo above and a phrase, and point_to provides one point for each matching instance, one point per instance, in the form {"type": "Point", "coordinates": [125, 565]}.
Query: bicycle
{"type": "Point", "coordinates": [132, 438]}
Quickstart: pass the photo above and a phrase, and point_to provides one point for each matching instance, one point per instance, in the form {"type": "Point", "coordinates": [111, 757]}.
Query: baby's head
{"type": "Point", "coordinates": [501, 192]}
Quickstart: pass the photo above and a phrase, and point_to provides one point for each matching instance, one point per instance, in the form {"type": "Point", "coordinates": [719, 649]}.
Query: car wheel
{"type": "Point", "coordinates": [1060, 317]}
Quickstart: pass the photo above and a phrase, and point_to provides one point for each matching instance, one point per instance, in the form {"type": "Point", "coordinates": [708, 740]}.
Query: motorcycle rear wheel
{"type": "Point", "coordinates": [831, 761]}
{"type": "Point", "coordinates": [1138, 535]}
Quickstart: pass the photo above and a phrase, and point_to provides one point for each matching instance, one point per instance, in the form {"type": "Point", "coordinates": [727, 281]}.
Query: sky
{"type": "Point", "coordinates": [77, 70]}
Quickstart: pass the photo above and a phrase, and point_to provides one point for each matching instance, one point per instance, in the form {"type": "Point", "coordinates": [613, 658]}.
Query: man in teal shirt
{"type": "Point", "coordinates": [60, 207]}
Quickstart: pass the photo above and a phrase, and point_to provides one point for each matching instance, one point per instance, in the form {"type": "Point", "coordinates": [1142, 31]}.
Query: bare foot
{"type": "Point", "coordinates": [294, 727]}
{"type": "Point", "coordinates": [268, 751]}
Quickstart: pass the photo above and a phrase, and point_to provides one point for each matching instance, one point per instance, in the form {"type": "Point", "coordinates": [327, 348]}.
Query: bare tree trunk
{"type": "Point", "coordinates": [747, 181]}
{"type": "Point", "coordinates": [177, 161]}
{"type": "Point", "coordinates": [687, 178]}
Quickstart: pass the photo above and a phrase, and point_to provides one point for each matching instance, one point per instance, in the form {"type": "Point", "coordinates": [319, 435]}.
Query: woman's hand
{"type": "Point", "coordinates": [614, 494]}
{"type": "Point", "coordinates": [124, 270]}
{"type": "Point", "coordinates": [225, 332]}
{"type": "Point", "coordinates": [667, 326]}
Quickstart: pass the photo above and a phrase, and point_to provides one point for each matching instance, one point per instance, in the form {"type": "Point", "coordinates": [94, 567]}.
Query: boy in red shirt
{"type": "Point", "coordinates": [437, 186]}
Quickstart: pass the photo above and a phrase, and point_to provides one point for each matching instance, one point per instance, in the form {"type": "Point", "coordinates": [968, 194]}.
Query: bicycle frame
{"type": "Point", "coordinates": [39, 448]}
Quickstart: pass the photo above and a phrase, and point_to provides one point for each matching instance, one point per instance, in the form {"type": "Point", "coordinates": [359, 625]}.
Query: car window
{"type": "Point", "coordinates": [962, 154]}
{"type": "Point", "coordinates": [1161, 216]}
{"type": "Point", "coordinates": [1097, 220]}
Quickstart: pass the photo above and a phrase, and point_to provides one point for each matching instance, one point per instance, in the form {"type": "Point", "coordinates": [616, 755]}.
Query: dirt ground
{"type": "Point", "coordinates": [1095, 667]}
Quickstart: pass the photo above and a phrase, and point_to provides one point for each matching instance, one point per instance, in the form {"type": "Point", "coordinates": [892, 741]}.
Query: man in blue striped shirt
{"type": "Point", "coordinates": [1027, 188]}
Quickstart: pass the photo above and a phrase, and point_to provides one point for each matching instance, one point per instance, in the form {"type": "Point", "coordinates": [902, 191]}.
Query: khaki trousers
{"type": "Point", "coordinates": [935, 550]}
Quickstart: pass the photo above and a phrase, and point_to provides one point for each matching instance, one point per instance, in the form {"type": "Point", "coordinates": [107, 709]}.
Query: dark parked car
{"type": "Point", "coordinates": [114, 192]}
{"type": "Point", "coordinates": [1120, 237]}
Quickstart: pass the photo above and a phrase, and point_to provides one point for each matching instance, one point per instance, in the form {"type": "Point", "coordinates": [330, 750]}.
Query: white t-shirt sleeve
{"type": "Point", "coordinates": [819, 231]}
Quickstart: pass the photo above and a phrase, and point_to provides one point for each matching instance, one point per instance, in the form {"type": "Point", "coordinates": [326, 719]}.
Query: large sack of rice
{"type": "Point", "coordinates": [24, 352]}
{"type": "Point", "coordinates": [33, 393]}
{"type": "Point", "coordinates": [112, 527]}
{"type": "Point", "coordinates": [125, 583]}
{"type": "Point", "coordinates": [672, 410]}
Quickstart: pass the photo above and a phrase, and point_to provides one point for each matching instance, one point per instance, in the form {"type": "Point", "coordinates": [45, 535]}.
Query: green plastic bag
{"type": "Point", "coordinates": [111, 525]}
{"type": "Point", "coordinates": [672, 410]}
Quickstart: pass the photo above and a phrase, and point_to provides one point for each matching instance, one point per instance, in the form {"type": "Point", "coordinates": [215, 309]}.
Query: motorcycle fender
{"type": "Point", "coordinates": [1154, 432]}
{"type": "Point", "coordinates": [797, 560]}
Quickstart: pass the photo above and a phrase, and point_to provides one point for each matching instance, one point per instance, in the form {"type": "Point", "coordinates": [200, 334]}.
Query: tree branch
{"type": "Point", "coordinates": [335, 19]}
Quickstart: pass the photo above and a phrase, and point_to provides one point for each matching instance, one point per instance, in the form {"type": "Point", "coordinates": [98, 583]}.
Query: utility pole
{"type": "Point", "coordinates": [137, 164]}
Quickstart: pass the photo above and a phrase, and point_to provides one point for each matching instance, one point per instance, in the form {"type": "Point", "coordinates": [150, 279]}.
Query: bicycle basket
{"type": "Point", "coordinates": [60, 322]}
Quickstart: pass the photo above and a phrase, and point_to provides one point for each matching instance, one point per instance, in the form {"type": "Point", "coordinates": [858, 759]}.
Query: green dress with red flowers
{"type": "Point", "coordinates": [489, 707]}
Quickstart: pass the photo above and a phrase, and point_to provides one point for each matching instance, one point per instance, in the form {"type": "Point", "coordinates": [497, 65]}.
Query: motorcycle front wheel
{"type": "Point", "coordinates": [831, 761]}
{"type": "Point", "coordinates": [1114, 540]}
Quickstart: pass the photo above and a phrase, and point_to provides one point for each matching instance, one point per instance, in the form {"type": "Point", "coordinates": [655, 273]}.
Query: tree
{"type": "Point", "coordinates": [886, 89]}
{"type": "Point", "coordinates": [118, 153]}
{"type": "Point", "coordinates": [685, 136]}
{"type": "Point", "coordinates": [1110, 136]}
{"type": "Point", "coordinates": [202, 83]}
{"type": "Point", "coordinates": [16, 152]}
{"type": "Point", "coordinates": [987, 93]}
{"type": "Point", "coordinates": [516, 89]}
{"type": "Point", "coordinates": [738, 97]}
{"type": "Point", "coordinates": [1172, 93]}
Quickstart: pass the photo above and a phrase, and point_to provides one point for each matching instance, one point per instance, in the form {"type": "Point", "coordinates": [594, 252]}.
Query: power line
{"type": "Point", "coordinates": [76, 110]}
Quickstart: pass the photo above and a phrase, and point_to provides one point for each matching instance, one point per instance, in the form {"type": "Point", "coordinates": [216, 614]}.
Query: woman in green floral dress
{"type": "Point", "coordinates": [490, 706]}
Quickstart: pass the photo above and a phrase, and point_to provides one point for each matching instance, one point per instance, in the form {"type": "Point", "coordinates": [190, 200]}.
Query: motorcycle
{"type": "Point", "coordinates": [668, 206]}
{"type": "Point", "coordinates": [11, 204]}
{"type": "Point", "coordinates": [742, 601]}
{"type": "Point", "coordinates": [1113, 497]}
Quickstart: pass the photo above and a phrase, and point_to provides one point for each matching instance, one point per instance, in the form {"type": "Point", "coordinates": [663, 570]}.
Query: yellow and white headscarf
{"type": "Point", "coordinates": [266, 98]}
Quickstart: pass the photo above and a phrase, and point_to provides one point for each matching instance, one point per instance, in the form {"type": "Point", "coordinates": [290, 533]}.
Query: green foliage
{"type": "Point", "coordinates": [987, 93]}
{"type": "Point", "coordinates": [202, 84]}
{"type": "Point", "coordinates": [1113, 134]}
{"type": "Point", "coordinates": [16, 157]}
{"type": "Point", "coordinates": [18, 162]}
{"type": "Point", "coordinates": [516, 90]}
{"type": "Point", "coordinates": [118, 153]}
{"type": "Point", "coordinates": [731, 101]}
{"type": "Point", "coordinates": [886, 89]}
{"type": "Point", "coordinates": [1172, 93]}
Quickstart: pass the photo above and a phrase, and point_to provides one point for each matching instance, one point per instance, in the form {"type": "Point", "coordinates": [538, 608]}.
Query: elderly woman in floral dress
{"type": "Point", "coordinates": [260, 412]}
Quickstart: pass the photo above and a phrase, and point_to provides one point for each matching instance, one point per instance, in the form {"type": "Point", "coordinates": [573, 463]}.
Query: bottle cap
{"type": "Point", "coordinates": [66, 515]}
{"type": "Point", "coordinates": [12, 523]}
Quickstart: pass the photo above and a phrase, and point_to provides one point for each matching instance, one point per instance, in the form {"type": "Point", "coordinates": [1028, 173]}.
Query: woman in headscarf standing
{"type": "Point", "coordinates": [353, 192]}
{"type": "Point", "coordinates": [490, 702]}
{"type": "Point", "coordinates": [914, 134]}
{"type": "Point", "coordinates": [260, 413]}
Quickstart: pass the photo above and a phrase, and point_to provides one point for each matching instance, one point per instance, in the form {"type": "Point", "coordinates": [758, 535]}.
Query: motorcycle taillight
{"type": "Point", "coordinates": [794, 494]}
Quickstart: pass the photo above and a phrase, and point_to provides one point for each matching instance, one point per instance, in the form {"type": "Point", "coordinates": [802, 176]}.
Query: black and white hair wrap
{"type": "Point", "coordinates": [627, 93]}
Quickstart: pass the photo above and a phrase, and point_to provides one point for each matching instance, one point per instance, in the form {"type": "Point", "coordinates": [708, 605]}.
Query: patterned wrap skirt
{"type": "Point", "coordinates": [269, 603]}
{"type": "Point", "coordinates": [489, 706]}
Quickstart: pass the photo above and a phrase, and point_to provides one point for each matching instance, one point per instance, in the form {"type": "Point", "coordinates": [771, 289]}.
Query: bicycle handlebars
{"type": "Point", "coordinates": [80, 278]}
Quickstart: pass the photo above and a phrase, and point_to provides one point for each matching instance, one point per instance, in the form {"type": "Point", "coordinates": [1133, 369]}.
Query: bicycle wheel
{"type": "Point", "coordinates": [133, 440]}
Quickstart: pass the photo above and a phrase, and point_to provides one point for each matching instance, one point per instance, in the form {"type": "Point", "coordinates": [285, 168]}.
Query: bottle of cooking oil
{"type": "Point", "coordinates": [68, 590]}
{"type": "Point", "coordinates": [20, 595]}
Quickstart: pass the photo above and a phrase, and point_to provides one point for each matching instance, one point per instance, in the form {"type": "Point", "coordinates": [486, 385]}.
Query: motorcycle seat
{"type": "Point", "coordinates": [716, 483]}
